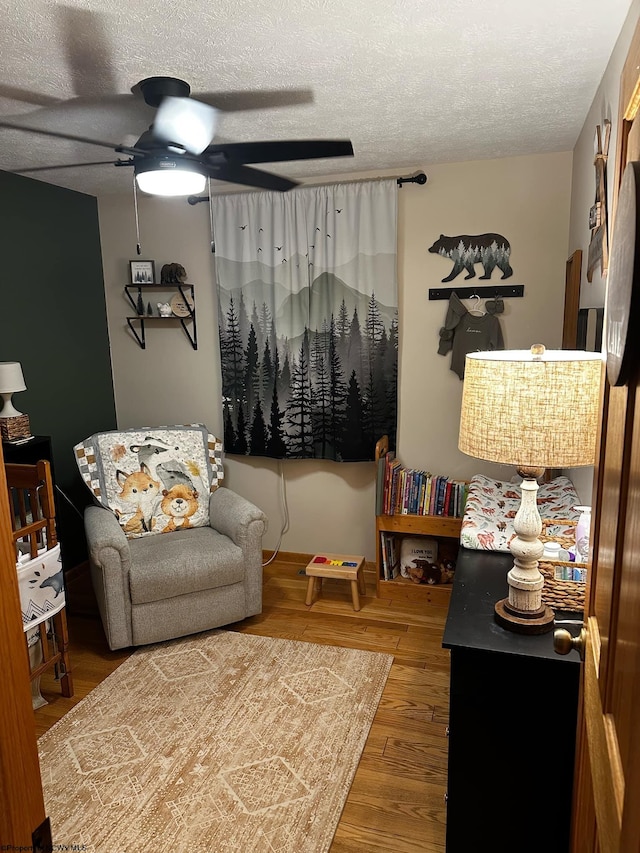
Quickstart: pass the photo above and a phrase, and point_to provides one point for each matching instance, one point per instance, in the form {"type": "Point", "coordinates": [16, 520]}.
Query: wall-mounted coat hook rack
{"type": "Point", "coordinates": [483, 292]}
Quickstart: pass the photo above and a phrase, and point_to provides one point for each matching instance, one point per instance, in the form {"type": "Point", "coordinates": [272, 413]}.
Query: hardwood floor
{"type": "Point", "coordinates": [396, 802]}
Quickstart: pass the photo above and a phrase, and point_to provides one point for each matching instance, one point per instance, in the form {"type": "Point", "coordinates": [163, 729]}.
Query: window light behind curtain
{"type": "Point", "coordinates": [308, 319]}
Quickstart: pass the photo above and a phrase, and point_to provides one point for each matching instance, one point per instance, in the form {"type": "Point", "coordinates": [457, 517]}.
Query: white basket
{"type": "Point", "coordinates": [41, 587]}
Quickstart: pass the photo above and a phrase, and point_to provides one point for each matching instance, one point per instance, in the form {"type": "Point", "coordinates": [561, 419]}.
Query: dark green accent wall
{"type": "Point", "coordinates": [53, 320]}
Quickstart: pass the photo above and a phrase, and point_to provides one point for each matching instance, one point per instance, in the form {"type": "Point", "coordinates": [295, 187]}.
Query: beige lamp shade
{"type": "Point", "coordinates": [525, 410]}
{"type": "Point", "coordinates": [11, 378]}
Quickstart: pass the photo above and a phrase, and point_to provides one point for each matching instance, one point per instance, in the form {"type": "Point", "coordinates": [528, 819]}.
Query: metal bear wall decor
{"type": "Point", "coordinates": [490, 250]}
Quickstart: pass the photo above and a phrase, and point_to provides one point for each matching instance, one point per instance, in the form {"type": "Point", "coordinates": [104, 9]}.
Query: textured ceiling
{"type": "Point", "coordinates": [411, 82]}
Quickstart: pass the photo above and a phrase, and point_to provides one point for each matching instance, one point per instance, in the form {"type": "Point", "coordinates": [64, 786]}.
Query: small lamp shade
{"type": "Point", "coordinates": [527, 411]}
{"type": "Point", "coordinates": [11, 378]}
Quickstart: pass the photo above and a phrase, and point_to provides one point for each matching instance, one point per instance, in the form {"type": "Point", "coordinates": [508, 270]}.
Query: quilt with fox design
{"type": "Point", "coordinates": [155, 479]}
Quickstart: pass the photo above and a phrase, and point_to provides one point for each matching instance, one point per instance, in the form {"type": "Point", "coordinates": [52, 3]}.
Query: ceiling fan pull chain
{"type": "Point", "coordinates": [213, 244]}
{"type": "Point", "coordinates": [135, 207]}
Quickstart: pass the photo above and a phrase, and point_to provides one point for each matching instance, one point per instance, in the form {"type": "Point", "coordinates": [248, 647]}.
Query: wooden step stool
{"type": "Point", "coordinates": [348, 568]}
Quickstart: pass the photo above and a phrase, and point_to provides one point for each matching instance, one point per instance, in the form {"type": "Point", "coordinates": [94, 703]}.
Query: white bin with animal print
{"type": "Point", "coordinates": [41, 587]}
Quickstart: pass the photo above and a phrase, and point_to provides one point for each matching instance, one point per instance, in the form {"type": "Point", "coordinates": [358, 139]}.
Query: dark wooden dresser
{"type": "Point", "coordinates": [512, 722]}
{"type": "Point", "coordinates": [28, 452]}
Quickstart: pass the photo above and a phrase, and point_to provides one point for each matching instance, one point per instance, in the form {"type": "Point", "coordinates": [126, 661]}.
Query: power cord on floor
{"type": "Point", "coordinates": [69, 501]}
{"type": "Point", "coordinates": [285, 513]}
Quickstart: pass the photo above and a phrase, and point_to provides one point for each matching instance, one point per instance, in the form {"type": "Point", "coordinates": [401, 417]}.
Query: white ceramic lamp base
{"type": "Point", "coordinates": [523, 611]}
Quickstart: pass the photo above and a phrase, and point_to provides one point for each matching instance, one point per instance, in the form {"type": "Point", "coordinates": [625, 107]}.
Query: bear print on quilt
{"type": "Point", "coordinates": [487, 523]}
{"type": "Point", "coordinates": [155, 479]}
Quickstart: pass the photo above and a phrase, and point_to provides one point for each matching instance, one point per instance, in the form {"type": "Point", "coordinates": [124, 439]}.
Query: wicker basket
{"type": "Point", "coordinates": [558, 593]}
{"type": "Point", "coordinates": [14, 428]}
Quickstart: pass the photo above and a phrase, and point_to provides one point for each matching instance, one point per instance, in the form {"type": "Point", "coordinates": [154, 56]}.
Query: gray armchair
{"type": "Point", "coordinates": [159, 587]}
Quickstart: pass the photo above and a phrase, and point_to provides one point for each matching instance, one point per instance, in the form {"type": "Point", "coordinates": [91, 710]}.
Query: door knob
{"type": "Point", "coordinates": [563, 641]}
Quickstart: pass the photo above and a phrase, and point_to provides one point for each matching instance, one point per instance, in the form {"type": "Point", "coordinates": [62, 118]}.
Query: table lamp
{"type": "Point", "coordinates": [533, 409]}
{"type": "Point", "coordinates": [13, 424]}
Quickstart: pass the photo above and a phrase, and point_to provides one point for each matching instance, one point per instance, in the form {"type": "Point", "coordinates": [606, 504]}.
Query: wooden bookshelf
{"type": "Point", "coordinates": [420, 525]}
{"type": "Point", "coordinates": [435, 526]}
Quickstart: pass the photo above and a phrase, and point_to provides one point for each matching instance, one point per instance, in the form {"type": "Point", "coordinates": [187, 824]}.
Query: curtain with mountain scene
{"type": "Point", "coordinates": [308, 319]}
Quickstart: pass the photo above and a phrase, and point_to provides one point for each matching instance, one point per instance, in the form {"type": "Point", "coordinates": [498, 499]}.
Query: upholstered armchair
{"type": "Point", "coordinates": [159, 587]}
{"type": "Point", "coordinates": [159, 569]}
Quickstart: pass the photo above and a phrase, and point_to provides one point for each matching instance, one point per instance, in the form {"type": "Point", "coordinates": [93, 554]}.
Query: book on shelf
{"type": "Point", "coordinates": [380, 478]}
{"type": "Point", "coordinates": [409, 491]}
{"type": "Point", "coordinates": [390, 557]}
{"type": "Point", "coordinates": [393, 487]}
{"type": "Point", "coordinates": [446, 504]}
{"type": "Point", "coordinates": [384, 557]}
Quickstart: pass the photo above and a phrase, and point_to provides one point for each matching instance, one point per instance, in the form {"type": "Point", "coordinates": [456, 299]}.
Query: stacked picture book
{"type": "Point", "coordinates": [390, 556]}
{"type": "Point", "coordinates": [408, 491]}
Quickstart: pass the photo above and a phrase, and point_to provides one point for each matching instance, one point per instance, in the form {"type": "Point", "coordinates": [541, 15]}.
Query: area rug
{"type": "Point", "coordinates": [217, 743]}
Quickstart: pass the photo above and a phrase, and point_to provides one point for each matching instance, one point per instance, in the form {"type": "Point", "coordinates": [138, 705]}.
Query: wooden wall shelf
{"type": "Point", "coordinates": [137, 322]}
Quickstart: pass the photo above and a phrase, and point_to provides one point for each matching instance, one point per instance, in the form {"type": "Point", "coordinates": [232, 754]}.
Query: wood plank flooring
{"type": "Point", "coordinates": [396, 802]}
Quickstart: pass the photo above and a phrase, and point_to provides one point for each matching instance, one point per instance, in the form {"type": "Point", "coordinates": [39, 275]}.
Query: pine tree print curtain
{"type": "Point", "coordinates": [308, 319]}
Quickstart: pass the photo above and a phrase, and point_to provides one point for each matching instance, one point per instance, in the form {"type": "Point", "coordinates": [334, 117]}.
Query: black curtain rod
{"type": "Point", "coordinates": [487, 292]}
{"type": "Point", "coordinates": [420, 178]}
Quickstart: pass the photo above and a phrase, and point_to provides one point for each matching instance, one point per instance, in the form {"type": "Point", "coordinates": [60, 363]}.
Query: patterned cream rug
{"type": "Point", "coordinates": [218, 743]}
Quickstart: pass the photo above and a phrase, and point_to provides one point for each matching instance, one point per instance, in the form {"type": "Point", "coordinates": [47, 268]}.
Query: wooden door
{"type": "Point", "coordinates": [21, 801]}
{"type": "Point", "coordinates": [607, 790]}
{"type": "Point", "coordinates": [572, 300]}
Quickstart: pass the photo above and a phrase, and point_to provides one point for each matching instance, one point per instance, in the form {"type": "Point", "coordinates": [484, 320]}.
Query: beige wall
{"type": "Point", "coordinates": [605, 106]}
{"type": "Point", "coordinates": [331, 505]}
{"type": "Point", "coordinates": [527, 200]}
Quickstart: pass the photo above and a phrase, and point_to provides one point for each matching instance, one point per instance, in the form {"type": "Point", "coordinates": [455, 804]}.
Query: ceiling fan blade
{"type": "Point", "coordinates": [116, 115]}
{"type": "Point", "coordinates": [67, 166]}
{"type": "Point", "coordinates": [24, 96]}
{"type": "Point", "coordinates": [72, 138]}
{"type": "Point", "coordinates": [88, 56]}
{"type": "Point", "coordinates": [235, 173]}
{"type": "Point", "coordinates": [185, 121]}
{"type": "Point", "coordinates": [279, 151]}
{"type": "Point", "coordinates": [229, 102]}
{"type": "Point", "coordinates": [56, 134]}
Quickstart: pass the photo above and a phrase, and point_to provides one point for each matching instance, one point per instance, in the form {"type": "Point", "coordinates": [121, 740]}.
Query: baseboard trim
{"type": "Point", "coordinates": [297, 558]}
{"type": "Point", "coordinates": [287, 557]}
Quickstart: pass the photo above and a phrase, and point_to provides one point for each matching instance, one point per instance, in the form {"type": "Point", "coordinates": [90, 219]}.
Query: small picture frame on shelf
{"type": "Point", "coordinates": [142, 272]}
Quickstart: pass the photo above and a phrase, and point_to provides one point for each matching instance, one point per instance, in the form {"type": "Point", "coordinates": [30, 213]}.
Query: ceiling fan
{"type": "Point", "coordinates": [175, 156]}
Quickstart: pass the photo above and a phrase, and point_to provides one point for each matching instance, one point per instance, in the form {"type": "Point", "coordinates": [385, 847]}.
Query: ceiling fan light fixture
{"type": "Point", "coordinates": [185, 122]}
{"type": "Point", "coordinates": [168, 176]}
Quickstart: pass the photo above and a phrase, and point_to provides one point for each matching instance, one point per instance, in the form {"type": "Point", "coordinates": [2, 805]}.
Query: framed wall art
{"type": "Point", "coordinates": [142, 272]}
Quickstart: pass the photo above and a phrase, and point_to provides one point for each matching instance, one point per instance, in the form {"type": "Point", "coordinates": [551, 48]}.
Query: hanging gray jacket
{"type": "Point", "coordinates": [463, 333]}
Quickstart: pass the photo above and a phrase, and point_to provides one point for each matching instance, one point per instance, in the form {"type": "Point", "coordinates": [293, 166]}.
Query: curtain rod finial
{"type": "Point", "coordinates": [419, 178]}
